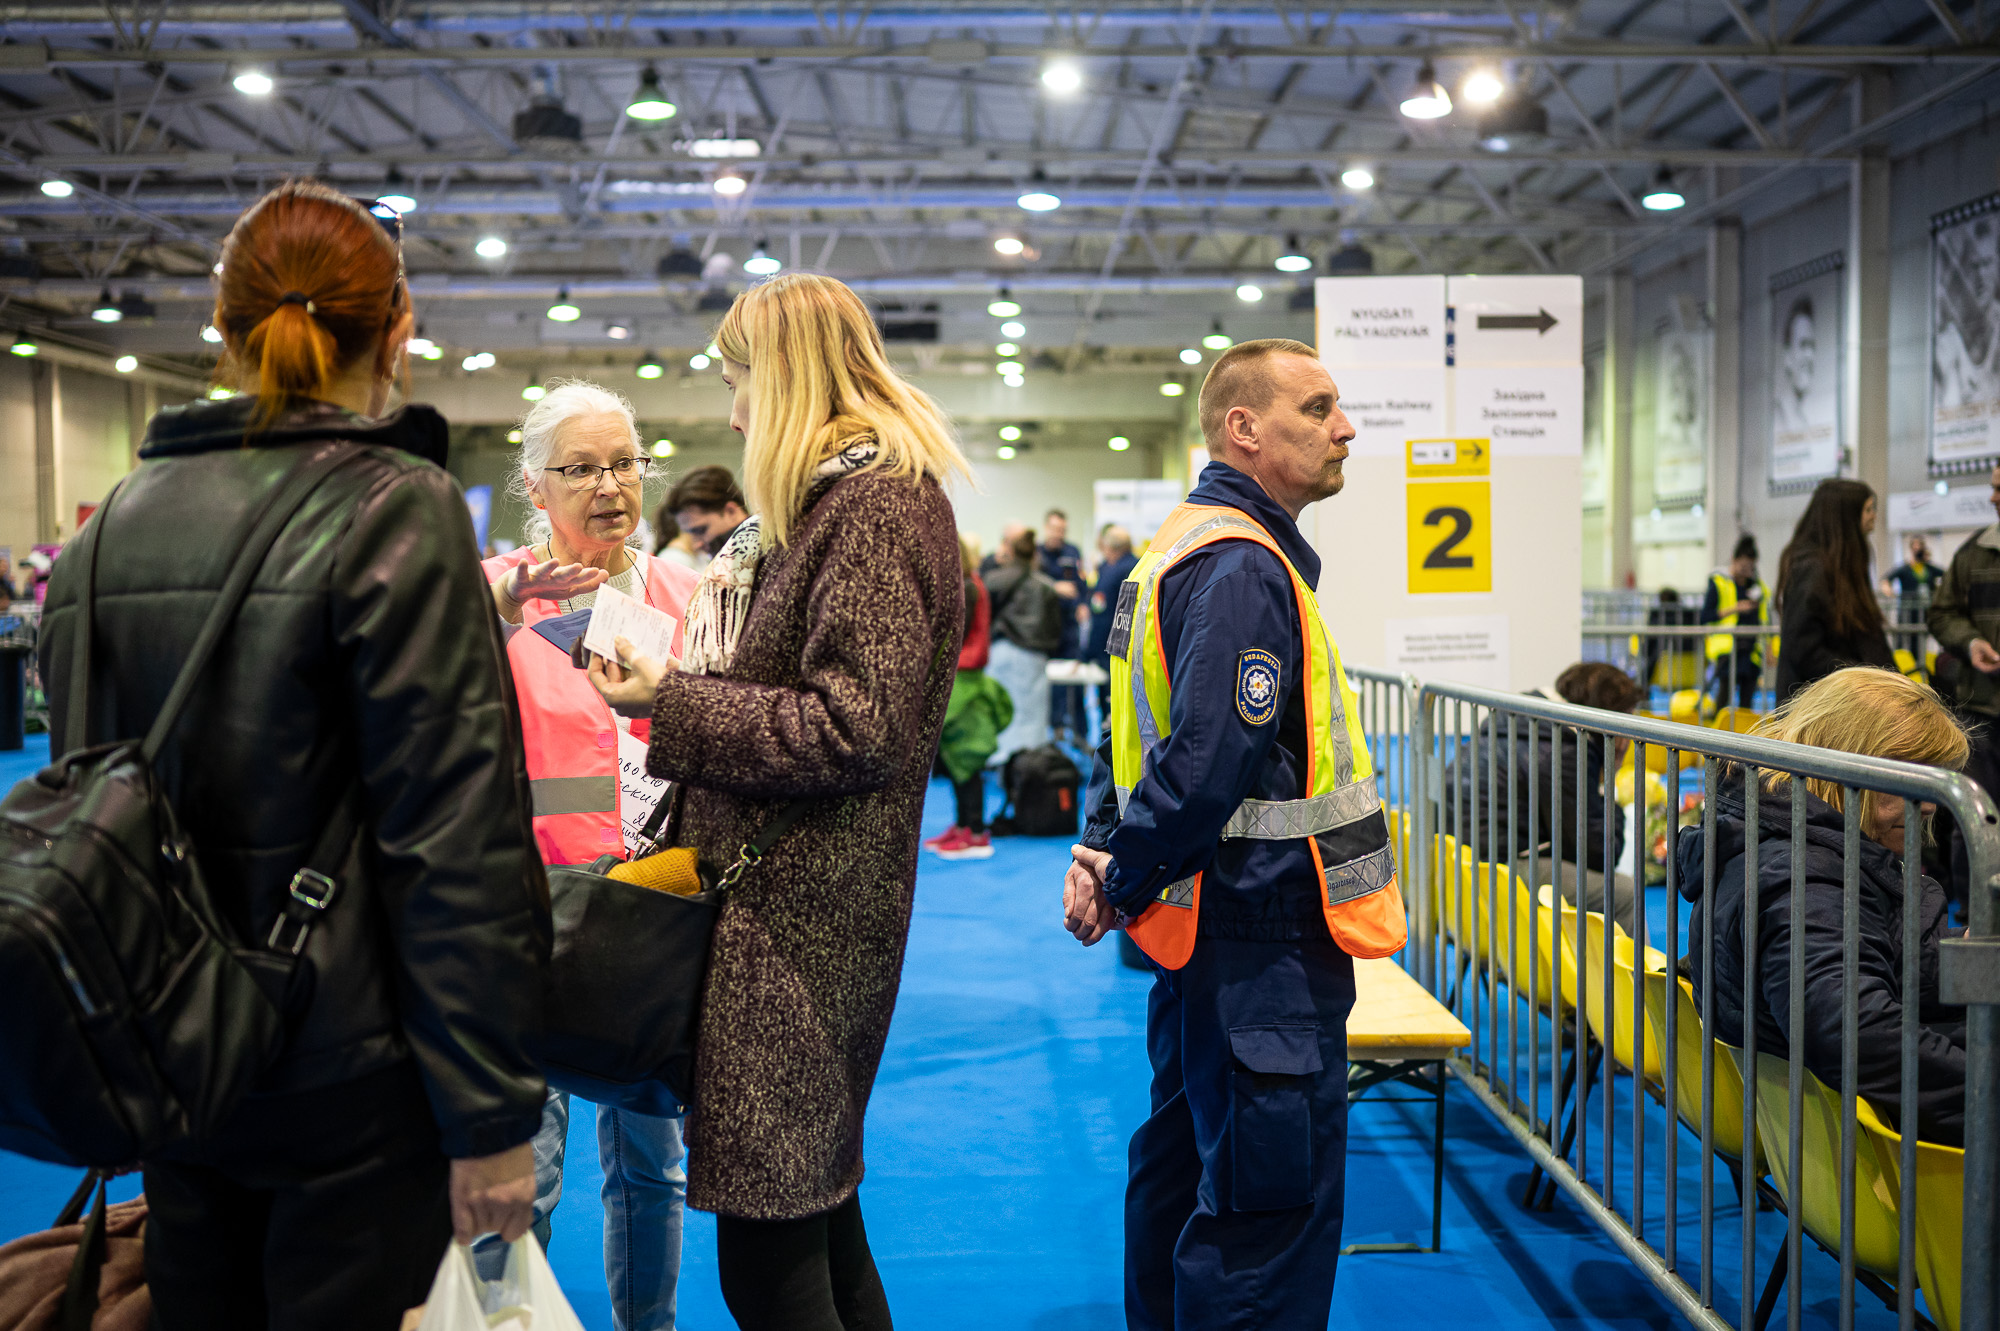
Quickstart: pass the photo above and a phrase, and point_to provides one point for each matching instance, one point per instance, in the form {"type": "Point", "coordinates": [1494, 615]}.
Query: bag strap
{"type": "Point", "coordinates": [269, 522]}
{"type": "Point", "coordinates": [77, 730]}
{"type": "Point", "coordinates": [79, 1301]}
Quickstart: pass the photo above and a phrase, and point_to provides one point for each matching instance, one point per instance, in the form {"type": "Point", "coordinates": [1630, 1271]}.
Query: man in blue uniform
{"type": "Point", "coordinates": [1233, 1207]}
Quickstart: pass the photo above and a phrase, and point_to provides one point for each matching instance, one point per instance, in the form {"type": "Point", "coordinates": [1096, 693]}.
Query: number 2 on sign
{"type": "Point", "coordinates": [1449, 536]}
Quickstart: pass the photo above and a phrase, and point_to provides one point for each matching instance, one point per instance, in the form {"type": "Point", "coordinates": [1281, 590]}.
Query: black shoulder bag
{"type": "Point", "coordinates": [135, 1021]}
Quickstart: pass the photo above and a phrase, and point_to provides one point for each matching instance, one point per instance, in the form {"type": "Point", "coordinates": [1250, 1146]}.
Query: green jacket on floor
{"type": "Point", "coordinates": [978, 711]}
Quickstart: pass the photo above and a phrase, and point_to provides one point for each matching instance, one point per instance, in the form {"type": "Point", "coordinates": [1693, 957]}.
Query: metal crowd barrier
{"type": "Point", "coordinates": [1674, 658]}
{"type": "Point", "coordinates": [1564, 1004]}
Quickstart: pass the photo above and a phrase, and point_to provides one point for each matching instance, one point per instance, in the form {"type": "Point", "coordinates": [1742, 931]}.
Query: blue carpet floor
{"type": "Point", "coordinates": [996, 1147]}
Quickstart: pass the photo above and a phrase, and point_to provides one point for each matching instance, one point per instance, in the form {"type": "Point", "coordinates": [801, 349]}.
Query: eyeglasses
{"type": "Point", "coordinates": [585, 475]}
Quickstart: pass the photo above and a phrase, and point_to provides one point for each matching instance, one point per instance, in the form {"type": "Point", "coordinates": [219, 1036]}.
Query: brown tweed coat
{"type": "Point", "coordinates": [838, 689]}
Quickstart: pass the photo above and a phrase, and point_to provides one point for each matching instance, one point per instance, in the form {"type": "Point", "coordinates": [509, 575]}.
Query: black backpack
{"type": "Point", "coordinates": [1041, 785]}
{"type": "Point", "coordinates": [134, 1021]}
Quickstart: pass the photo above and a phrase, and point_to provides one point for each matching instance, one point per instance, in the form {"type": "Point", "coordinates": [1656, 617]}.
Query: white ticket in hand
{"type": "Point", "coordinates": [615, 615]}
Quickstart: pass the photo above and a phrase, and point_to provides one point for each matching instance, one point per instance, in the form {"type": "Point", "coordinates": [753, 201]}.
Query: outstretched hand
{"type": "Point", "coordinates": [630, 682]}
{"type": "Point", "coordinates": [554, 582]}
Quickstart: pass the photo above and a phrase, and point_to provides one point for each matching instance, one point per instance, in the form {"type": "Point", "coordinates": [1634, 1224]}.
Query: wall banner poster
{"type": "Point", "coordinates": [1965, 335]}
{"type": "Point", "coordinates": [1680, 414]}
{"type": "Point", "coordinates": [1807, 334]}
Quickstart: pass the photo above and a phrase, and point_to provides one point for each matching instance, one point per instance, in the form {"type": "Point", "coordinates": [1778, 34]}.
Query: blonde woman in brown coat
{"type": "Point", "coordinates": [827, 669]}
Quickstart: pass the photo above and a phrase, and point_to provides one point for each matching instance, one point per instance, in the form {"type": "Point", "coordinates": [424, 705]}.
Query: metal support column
{"type": "Point", "coordinates": [1619, 347]}
{"type": "Point", "coordinates": [48, 427]}
{"type": "Point", "coordinates": [1725, 446]}
{"type": "Point", "coordinates": [1867, 352]}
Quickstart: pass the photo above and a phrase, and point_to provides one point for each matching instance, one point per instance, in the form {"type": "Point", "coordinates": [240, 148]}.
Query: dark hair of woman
{"type": "Point", "coordinates": [309, 281]}
{"type": "Point", "coordinates": [1829, 534]}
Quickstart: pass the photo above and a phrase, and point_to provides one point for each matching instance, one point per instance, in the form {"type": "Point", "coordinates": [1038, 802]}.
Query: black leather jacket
{"type": "Point", "coordinates": [367, 658]}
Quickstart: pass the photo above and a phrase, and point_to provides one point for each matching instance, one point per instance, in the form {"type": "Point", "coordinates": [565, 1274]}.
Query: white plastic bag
{"type": "Point", "coordinates": [524, 1298]}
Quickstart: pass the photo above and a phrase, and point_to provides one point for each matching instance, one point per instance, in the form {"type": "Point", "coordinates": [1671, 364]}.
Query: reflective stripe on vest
{"type": "Point", "coordinates": [1340, 817]}
{"type": "Point", "coordinates": [574, 794]}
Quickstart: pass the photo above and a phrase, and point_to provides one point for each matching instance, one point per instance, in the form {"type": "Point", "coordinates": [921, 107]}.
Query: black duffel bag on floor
{"type": "Point", "coordinates": [628, 966]}
{"type": "Point", "coordinates": [133, 1020]}
{"type": "Point", "coordinates": [1041, 786]}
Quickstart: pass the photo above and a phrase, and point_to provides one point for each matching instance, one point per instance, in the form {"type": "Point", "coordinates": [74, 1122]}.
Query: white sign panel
{"type": "Point", "coordinates": [1388, 406]}
{"type": "Point", "coordinates": [1525, 412]}
{"type": "Point", "coordinates": [1456, 649]}
{"type": "Point", "coordinates": [1380, 321]}
{"type": "Point", "coordinates": [1517, 320]}
{"type": "Point", "coordinates": [1927, 510]}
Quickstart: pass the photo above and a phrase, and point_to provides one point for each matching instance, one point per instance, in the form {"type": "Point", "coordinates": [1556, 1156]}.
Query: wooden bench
{"type": "Point", "coordinates": [1399, 1034]}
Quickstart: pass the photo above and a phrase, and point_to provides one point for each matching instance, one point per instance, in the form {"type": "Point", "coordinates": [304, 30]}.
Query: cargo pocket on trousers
{"type": "Point", "coordinates": [1270, 1116]}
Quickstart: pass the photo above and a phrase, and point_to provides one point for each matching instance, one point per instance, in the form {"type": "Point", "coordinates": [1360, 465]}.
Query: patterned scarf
{"type": "Point", "coordinates": [721, 602]}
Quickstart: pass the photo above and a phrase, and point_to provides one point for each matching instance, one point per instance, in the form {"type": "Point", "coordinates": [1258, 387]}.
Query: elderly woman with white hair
{"type": "Point", "coordinates": [582, 468]}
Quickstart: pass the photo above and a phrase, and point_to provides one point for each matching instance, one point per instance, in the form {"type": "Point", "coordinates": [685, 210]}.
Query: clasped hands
{"type": "Point", "coordinates": [1087, 912]}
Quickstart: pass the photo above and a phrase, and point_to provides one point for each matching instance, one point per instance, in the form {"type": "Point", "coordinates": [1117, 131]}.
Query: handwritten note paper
{"type": "Point", "coordinates": [615, 615]}
{"type": "Point", "coordinates": [638, 794]}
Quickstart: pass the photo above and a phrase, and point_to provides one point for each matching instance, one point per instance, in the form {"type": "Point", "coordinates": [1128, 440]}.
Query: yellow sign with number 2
{"type": "Point", "coordinates": [1449, 536]}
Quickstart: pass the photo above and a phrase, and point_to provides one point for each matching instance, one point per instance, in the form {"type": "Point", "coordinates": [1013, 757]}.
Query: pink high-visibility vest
{"type": "Point", "coordinates": [570, 735]}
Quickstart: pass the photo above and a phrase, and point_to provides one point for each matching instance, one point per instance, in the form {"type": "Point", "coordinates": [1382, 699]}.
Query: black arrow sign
{"type": "Point", "coordinates": [1541, 320]}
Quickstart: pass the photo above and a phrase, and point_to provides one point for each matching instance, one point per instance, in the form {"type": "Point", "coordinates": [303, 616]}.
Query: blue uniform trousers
{"type": "Point", "coordinates": [1233, 1207]}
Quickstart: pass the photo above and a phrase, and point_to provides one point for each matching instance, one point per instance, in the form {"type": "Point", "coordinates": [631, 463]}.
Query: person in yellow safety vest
{"type": "Point", "coordinates": [1235, 831]}
{"type": "Point", "coordinates": [1736, 598]}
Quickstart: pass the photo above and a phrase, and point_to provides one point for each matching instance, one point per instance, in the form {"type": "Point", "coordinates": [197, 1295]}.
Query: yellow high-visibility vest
{"type": "Point", "coordinates": [1721, 644]}
{"type": "Point", "coordinates": [1340, 817]}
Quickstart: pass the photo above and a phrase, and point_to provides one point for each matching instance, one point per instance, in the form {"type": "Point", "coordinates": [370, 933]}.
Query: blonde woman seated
{"type": "Point", "coordinates": [1883, 715]}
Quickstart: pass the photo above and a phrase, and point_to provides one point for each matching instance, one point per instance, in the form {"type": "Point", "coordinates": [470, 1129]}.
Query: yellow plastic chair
{"type": "Point", "coordinates": [1562, 923]}
{"type": "Point", "coordinates": [1726, 1117]}
{"type": "Point", "coordinates": [1940, 1209]}
{"type": "Point", "coordinates": [1875, 1224]}
{"type": "Point", "coordinates": [1619, 1038]}
{"type": "Point", "coordinates": [1519, 936]}
{"type": "Point", "coordinates": [1685, 706]}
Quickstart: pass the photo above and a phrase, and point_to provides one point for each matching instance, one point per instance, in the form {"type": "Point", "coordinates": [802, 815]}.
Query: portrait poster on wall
{"type": "Point", "coordinates": [1593, 426]}
{"type": "Point", "coordinates": [1680, 413]}
{"type": "Point", "coordinates": [1806, 340]}
{"type": "Point", "coordinates": [1965, 332]}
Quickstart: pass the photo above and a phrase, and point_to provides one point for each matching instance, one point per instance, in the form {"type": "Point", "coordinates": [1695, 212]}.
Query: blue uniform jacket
{"type": "Point", "coordinates": [1104, 604]}
{"type": "Point", "coordinates": [1065, 565]}
{"type": "Point", "coordinates": [1225, 600]}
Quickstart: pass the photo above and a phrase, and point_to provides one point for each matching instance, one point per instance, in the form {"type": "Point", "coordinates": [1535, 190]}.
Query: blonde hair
{"type": "Point", "coordinates": [565, 400]}
{"type": "Point", "coordinates": [1866, 710]}
{"type": "Point", "coordinates": [820, 381]}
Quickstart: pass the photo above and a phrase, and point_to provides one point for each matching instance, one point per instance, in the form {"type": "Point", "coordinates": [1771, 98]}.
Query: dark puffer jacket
{"type": "Point", "coordinates": [1465, 785]}
{"type": "Point", "coordinates": [367, 657]}
{"type": "Point", "coordinates": [1941, 1034]}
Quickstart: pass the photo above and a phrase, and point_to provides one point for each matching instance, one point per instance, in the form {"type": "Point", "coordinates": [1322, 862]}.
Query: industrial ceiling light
{"type": "Point", "coordinates": [479, 360]}
{"type": "Point", "coordinates": [106, 310]}
{"type": "Point", "coordinates": [678, 262]}
{"type": "Point", "coordinates": [1510, 119]}
{"type": "Point", "coordinates": [663, 448]}
{"type": "Point", "coordinates": [25, 346]}
{"type": "Point", "coordinates": [210, 333]}
{"type": "Point", "coordinates": [650, 101]}
{"type": "Point", "coordinates": [731, 184]}
{"type": "Point", "coordinates": [1006, 307]}
{"type": "Point", "coordinates": [1013, 381]}
{"type": "Point", "coordinates": [1662, 197]}
{"type": "Point", "coordinates": [711, 352]}
{"type": "Point", "coordinates": [1350, 260]}
{"type": "Point", "coordinates": [1009, 433]}
{"type": "Point", "coordinates": [1010, 368]}
{"type": "Point", "coordinates": [58, 189]}
{"type": "Point", "coordinates": [420, 346]}
{"type": "Point", "coordinates": [1013, 329]}
{"type": "Point", "coordinates": [220, 394]}
{"type": "Point", "coordinates": [700, 361]}
{"type": "Point", "coordinates": [515, 435]}
{"type": "Point", "coordinates": [1172, 389]}
{"type": "Point", "coordinates": [1007, 349]}
{"type": "Point", "coordinates": [1249, 292]}
{"type": "Point", "coordinates": [563, 311]}
{"type": "Point", "coordinates": [545, 121]}
{"type": "Point", "coordinates": [1118, 443]}
{"type": "Point", "coordinates": [618, 332]}
{"type": "Point", "coordinates": [1358, 177]}
{"type": "Point", "coordinates": [761, 263]}
{"type": "Point", "coordinates": [1038, 198]}
{"type": "Point", "coordinates": [125, 364]}
{"type": "Point", "coordinates": [649, 367]}
{"type": "Point", "coordinates": [1482, 87]}
{"type": "Point", "coordinates": [534, 392]}
{"type": "Point", "coordinates": [1062, 77]}
{"type": "Point", "coordinates": [1008, 245]}
{"type": "Point", "coordinates": [1293, 259]}
{"type": "Point", "coordinates": [1427, 100]}
{"type": "Point", "coordinates": [395, 196]}
{"type": "Point", "coordinates": [1005, 452]}
{"type": "Point", "coordinates": [254, 83]}
{"type": "Point", "coordinates": [712, 148]}
{"type": "Point", "coordinates": [1216, 339]}
{"type": "Point", "coordinates": [1189, 356]}
{"type": "Point", "coordinates": [491, 247]}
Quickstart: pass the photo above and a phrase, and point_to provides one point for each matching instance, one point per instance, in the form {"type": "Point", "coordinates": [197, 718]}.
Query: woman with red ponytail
{"type": "Point", "coordinates": [360, 685]}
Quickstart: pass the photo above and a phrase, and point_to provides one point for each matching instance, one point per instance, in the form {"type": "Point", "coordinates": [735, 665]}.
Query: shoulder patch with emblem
{"type": "Point", "coordinates": [1257, 686]}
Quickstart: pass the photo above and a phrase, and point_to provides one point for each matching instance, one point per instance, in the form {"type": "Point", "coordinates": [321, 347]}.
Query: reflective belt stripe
{"type": "Point", "coordinates": [1359, 878]}
{"type": "Point", "coordinates": [1179, 894]}
{"type": "Point", "coordinates": [574, 794]}
{"type": "Point", "coordinates": [1287, 820]}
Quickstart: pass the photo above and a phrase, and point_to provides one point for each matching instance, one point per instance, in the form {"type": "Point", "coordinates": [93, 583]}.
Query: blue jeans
{"type": "Point", "coordinates": [645, 1189]}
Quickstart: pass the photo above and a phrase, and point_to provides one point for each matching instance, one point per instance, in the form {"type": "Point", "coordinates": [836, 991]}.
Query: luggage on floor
{"type": "Point", "coordinates": [1043, 799]}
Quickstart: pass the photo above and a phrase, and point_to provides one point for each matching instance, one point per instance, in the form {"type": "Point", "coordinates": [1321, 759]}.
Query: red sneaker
{"type": "Point", "coordinates": [970, 846]}
{"type": "Point", "coordinates": [950, 840]}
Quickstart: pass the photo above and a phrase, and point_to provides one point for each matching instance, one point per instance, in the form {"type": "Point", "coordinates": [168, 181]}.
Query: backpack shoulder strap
{"type": "Point", "coordinates": [76, 731]}
{"type": "Point", "coordinates": [264, 529]}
